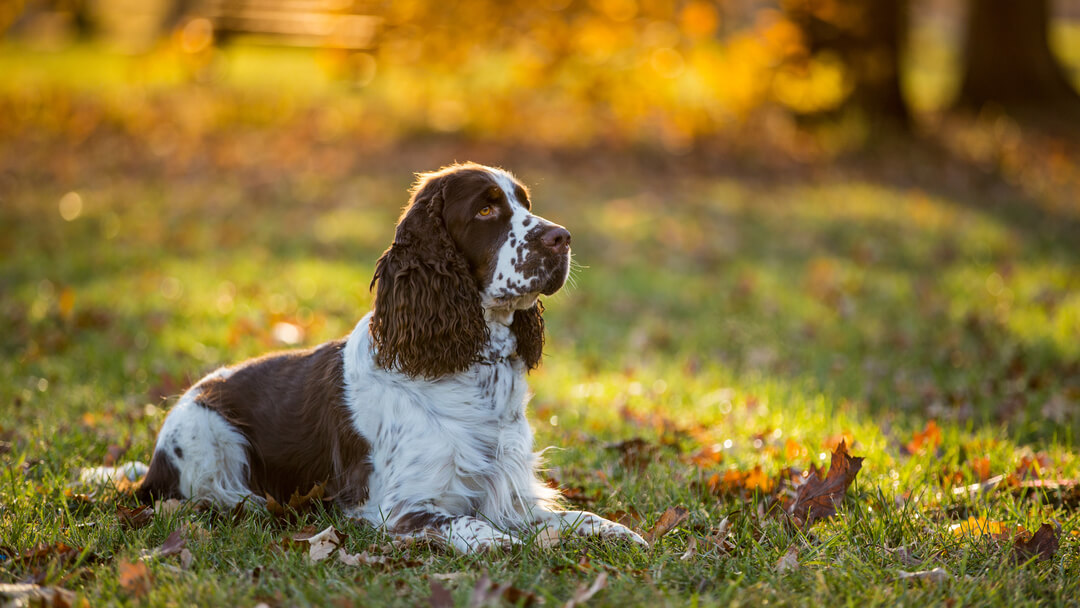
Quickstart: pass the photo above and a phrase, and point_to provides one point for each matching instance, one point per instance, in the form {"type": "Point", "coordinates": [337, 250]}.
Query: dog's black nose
{"type": "Point", "coordinates": [556, 239]}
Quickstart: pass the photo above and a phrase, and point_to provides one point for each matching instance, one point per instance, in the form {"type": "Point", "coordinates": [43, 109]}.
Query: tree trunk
{"type": "Point", "coordinates": [869, 37]}
{"type": "Point", "coordinates": [1008, 61]}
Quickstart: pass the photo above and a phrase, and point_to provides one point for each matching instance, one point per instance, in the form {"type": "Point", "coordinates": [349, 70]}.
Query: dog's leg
{"type": "Point", "coordinates": [583, 523]}
{"type": "Point", "coordinates": [463, 532]}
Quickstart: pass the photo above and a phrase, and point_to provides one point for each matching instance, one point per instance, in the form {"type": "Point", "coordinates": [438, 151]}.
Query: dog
{"type": "Point", "coordinates": [414, 422]}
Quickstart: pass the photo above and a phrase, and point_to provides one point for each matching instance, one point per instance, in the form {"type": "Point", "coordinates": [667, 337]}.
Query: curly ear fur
{"type": "Point", "coordinates": [528, 328]}
{"type": "Point", "coordinates": [428, 320]}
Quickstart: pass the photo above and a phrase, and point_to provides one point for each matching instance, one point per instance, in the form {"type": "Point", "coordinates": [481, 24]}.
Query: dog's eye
{"type": "Point", "coordinates": [485, 212]}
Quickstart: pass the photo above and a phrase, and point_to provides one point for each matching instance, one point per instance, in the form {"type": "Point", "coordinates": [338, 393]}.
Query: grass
{"type": "Point", "coordinates": [766, 311]}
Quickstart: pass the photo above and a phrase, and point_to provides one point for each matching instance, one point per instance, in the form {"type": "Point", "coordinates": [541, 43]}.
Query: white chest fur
{"type": "Point", "coordinates": [460, 444]}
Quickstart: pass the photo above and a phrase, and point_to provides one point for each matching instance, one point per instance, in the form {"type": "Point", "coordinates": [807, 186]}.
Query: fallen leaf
{"type": "Point", "coordinates": [634, 454]}
{"type": "Point", "coordinates": [756, 479]}
{"type": "Point", "coordinates": [167, 507]}
{"type": "Point", "coordinates": [691, 550]}
{"type": "Point", "coordinates": [172, 545]}
{"type": "Point", "coordinates": [298, 503]}
{"type": "Point", "coordinates": [489, 593]}
{"type": "Point", "coordinates": [667, 522]}
{"type": "Point", "coordinates": [981, 526]}
{"type": "Point", "coordinates": [719, 536]}
{"type": "Point", "coordinates": [788, 561]}
{"type": "Point", "coordinates": [321, 545]}
{"type": "Point", "coordinates": [584, 594]}
{"type": "Point", "coordinates": [136, 518]}
{"type": "Point", "coordinates": [440, 596]}
{"type": "Point", "coordinates": [937, 575]}
{"type": "Point", "coordinates": [817, 499]}
{"type": "Point", "coordinates": [629, 518]}
{"type": "Point", "coordinates": [708, 456]}
{"type": "Point", "coordinates": [1042, 545]}
{"type": "Point", "coordinates": [25, 594]}
{"type": "Point", "coordinates": [134, 577]}
{"type": "Point", "coordinates": [981, 468]}
{"type": "Point", "coordinates": [929, 437]}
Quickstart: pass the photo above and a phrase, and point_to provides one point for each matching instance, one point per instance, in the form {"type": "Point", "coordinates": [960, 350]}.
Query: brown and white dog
{"type": "Point", "coordinates": [416, 420]}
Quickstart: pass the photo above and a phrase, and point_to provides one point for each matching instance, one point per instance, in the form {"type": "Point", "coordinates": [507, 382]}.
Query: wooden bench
{"type": "Point", "coordinates": [342, 24]}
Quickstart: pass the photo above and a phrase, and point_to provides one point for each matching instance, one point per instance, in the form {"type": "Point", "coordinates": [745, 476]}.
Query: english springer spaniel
{"type": "Point", "coordinates": [416, 420]}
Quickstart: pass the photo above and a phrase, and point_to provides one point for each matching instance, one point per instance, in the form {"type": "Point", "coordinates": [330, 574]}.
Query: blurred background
{"type": "Point", "coordinates": [855, 206]}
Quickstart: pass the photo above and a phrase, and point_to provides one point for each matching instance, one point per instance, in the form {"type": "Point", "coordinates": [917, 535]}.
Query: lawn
{"type": "Point", "coordinates": [729, 322]}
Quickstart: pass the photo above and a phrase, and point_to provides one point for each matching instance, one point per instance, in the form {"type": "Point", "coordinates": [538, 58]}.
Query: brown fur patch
{"type": "Point", "coordinates": [291, 408]}
{"type": "Point", "coordinates": [162, 482]}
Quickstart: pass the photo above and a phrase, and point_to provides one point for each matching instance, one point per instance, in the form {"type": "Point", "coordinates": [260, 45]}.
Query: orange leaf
{"type": "Point", "coordinates": [756, 479]}
{"type": "Point", "coordinates": [708, 456]}
{"type": "Point", "coordinates": [980, 526]}
{"type": "Point", "coordinates": [930, 437]}
{"type": "Point", "coordinates": [134, 577]}
{"type": "Point", "coordinates": [981, 468]}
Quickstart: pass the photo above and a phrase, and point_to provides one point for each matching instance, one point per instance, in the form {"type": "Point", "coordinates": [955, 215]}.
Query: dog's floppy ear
{"type": "Point", "coordinates": [428, 320]}
{"type": "Point", "coordinates": [528, 328]}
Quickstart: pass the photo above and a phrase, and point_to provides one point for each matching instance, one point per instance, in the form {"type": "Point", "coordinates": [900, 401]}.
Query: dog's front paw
{"type": "Point", "coordinates": [474, 536]}
{"type": "Point", "coordinates": [613, 530]}
{"type": "Point", "coordinates": [583, 523]}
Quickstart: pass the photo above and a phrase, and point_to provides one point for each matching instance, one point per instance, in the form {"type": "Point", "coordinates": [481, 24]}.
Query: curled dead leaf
{"type": "Point", "coordinates": [691, 550]}
{"type": "Point", "coordinates": [817, 498]}
{"type": "Point", "coordinates": [668, 521]}
{"type": "Point", "coordinates": [298, 503]}
{"type": "Point", "coordinates": [788, 561]}
{"type": "Point", "coordinates": [584, 594]}
{"type": "Point", "coordinates": [136, 518]}
{"type": "Point", "coordinates": [322, 545]}
{"type": "Point", "coordinates": [1042, 545]}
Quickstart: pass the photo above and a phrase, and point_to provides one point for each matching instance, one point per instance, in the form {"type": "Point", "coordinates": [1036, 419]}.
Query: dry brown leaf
{"type": "Point", "coordinates": [817, 498]}
{"type": "Point", "coordinates": [788, 561]}
{"type": "Point", "coordinates": [298, 503]}
{"type": "Point", "coordinates": [136, 518]}
{"type": "Point", "coordinates": [172, 545]}
{"type": "Point", "coordinates": [584, 594]}
{"type": "Point", "coordinates": [1042, 545]}
{"type": "Point", "coordinates": [134, 577]}
{"type": "Point", "coordinates": [440, 596]}
{"type": "Point", "coordinates": [719, 537]}
{"type": "Point", "coordinates": [634, 454]}
{"type": "Point", "coordinates": [322, 545]}
{"type": "Point", "coordinates": [186, 558]}
{"type": "Point", "coordinates": [937, 575]}
{"type": "Point", "coordinates": [25, 594]}
{"type": "Point", "coordinates": [668, 521]}
{"type": "Point", "coordinates": [167, 507]}
{"type": "Point", "coordinates": [629, 518]}
{"type": "Point", "coordinates": [489, 593]}
{"type": "Point", "coordinates": [691, 550]}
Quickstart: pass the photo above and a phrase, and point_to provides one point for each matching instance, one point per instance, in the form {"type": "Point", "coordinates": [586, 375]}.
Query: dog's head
{"type": "Point", "coordinates": [466, 244]}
